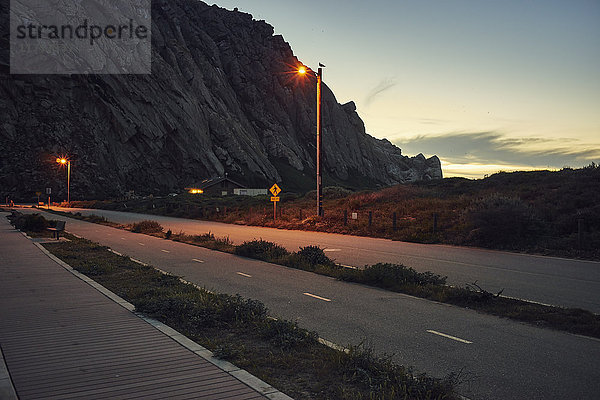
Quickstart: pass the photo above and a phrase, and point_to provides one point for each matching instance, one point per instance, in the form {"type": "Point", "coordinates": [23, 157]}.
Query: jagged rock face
{"type": "Point", "coordinates": [222, 97]}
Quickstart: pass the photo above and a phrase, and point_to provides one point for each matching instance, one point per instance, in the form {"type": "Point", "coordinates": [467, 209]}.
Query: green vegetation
{"type": "Point", "coordinates": [239, 330]}
{"type": "Point", "coordinates": [539, 212]}
{"type": "Point", "coordinates": [29, 222]}
{"type": "Point", "coordinates": [147, 227]}
{"type": "Point", "coordinates": [261, 250]}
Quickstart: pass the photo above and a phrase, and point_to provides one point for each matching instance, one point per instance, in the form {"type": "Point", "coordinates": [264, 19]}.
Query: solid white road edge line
{"type": "Point", "coordinates": [243, 274]}
{"type": "Point", "coordinates": [138, 261]}
{"type": "Point", "coordinates": [316, 297]}
{"type": "Point", "coordinates": [332, 249]}
{"type": "Point", "coordinates": [115, 252]}
{"type": "Point", "coordinates": [449, 336]}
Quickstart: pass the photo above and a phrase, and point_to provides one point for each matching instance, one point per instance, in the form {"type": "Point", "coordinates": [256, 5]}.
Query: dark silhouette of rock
{"type": "Point", "coordinates": [222, 97]}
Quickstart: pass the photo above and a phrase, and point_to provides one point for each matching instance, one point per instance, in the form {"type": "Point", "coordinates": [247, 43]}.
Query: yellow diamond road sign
{"type": "Point", "coordinates": [275, 190]}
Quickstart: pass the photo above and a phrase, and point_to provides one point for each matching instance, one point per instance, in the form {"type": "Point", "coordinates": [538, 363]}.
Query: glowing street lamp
{"type": "Point", "coordinates": [64, 161]}
{"type": "Point", "coordinates": [302, 70]}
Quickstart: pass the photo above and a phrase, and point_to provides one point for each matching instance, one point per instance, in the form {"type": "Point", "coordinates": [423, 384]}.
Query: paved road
{"type": "Point", "coordinates": [551, 280]}
{"type": "Point", "coordinates": [63, 339]}
{"type": "Point", "coordinates": [505, 359]}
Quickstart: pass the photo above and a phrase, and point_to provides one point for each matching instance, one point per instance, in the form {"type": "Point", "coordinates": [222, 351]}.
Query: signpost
{"type": "Point", "coordinates": [48, 192]}
{"type": "Point", "coordinates": [275, 190]}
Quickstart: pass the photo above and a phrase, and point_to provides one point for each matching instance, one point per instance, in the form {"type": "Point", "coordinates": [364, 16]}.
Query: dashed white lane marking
{"type": "Point", "coordinates": [243, 274]}
{"type": "Point", "coordinates": [449, 336]}
{"type": "Point", "coordinates": [198, 261]}
{"type": "Point", "coordinates": [141, 244]}
{"type": "Point", "coordinates": [165, 251]}
{"type": "Point", "coordinates": [348, 266]}
{"type": "Point", "coordinates": [122, 238]}
{"type": "Point", "coordinates": [316, 297]}
{"type": "Point", "coordinates": [332, 249]}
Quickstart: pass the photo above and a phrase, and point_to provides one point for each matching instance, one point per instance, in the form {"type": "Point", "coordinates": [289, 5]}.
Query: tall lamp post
{"type": "Point", "coordinates": [64, 161]}
{"type": "Point", "coordinates": [319, 75]}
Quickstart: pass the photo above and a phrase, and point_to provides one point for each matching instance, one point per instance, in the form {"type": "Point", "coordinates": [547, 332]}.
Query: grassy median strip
{"type": "Point", "coordinates": [393, 277]}
{"type": "Point", "coordinates": [240, 331]}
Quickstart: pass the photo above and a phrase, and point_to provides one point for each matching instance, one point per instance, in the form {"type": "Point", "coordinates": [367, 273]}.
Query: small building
{"type": "Point", "coordinates": [250, 192]}
{"type": "Point", "coordinates": [222, 186]}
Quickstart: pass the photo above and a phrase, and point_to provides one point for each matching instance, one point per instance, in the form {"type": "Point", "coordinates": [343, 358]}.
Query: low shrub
{"type": "Point", "coordinates": [391, 276]}
{"type": "Point", "coordinates": [286, 334]}
{"type": "Point", "coordinates": [309, 258]}
{"type": "Point", "coordinates": [147, 227]}
{"type": "Point", "coordinates": [96, 219]}
{"type": "Point", "coordinates": [30, 222]}
{"type": "Point", "coordinates": [314, 255]}
{"type": "Point", "coordinates": [261, 250]}
{"type": "Point", "coordinates": [205, 237]}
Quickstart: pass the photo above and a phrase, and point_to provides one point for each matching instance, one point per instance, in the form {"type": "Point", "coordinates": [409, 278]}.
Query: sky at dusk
{"type": "Point", "coordinates": [485, 85]}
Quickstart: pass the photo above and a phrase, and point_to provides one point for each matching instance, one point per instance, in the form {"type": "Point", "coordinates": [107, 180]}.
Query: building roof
{"type": "Point", "coordinates": [207, 183]}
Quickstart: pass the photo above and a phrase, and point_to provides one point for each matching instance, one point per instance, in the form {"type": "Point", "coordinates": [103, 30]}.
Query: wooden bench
{"type": "Point", "coordinates": [60, 227]}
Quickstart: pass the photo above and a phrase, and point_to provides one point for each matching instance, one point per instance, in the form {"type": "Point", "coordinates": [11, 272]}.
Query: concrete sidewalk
{"type": "Point", "coordinates": [63, 338]}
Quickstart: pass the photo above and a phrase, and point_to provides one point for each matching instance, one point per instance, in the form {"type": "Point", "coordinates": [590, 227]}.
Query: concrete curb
{"type": "Point", "coordinates": [243, 376]}
{"type": "Point", "coordinates": [7, 390]}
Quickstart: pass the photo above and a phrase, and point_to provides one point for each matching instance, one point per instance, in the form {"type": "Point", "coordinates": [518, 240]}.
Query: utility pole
{"type": "Point", "coordinates": [319, 143]}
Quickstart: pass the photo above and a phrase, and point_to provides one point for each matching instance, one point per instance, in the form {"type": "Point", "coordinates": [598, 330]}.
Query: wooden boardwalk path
{"type": "Point", "coordinates": [63, 339]}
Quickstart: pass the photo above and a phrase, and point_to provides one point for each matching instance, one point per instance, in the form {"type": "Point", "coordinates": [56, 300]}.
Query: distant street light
{"type": "Point", "coordinates": [64, 161]}
{"type": "Point", "coordinates": [302, 70]}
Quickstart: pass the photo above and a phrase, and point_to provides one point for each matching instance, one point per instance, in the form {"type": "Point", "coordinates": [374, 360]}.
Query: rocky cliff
{"type": "Point", "coordinates": [220, 99]}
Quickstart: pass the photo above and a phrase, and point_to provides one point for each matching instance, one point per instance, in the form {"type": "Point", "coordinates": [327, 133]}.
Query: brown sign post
{"type": "Point", "coordinates": [275, 190]}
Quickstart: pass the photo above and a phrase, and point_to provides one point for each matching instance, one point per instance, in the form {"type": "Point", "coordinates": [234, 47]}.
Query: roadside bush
{"type": "Point", "coordinates": [261, 250]}
{"type": "Point", "coordinates": [205, 237]}
{"type": "Point", "coordinates": [313, 256]}
{"type": "Point", "coordinates": [96, 219]}
{"type": "Point", "coordinates": [147, 227]}
{"type": "Point", "coordinates": [30, 222]}
{"type": "Point", "coordinates": [286, 334]}
{"type": "Point", "coordinates": [391, 276]}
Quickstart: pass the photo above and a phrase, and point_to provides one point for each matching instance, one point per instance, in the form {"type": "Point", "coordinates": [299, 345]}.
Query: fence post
{"type": "Point", "coordinates": [370, 218]}
{"type": "Point", "coordinates": [580, 233]}
{"type": "Point", "coordinates": [435, 222]}
{"type": "Point", "coordinates": [345, 217]}
{"type": "Point", "coordinates": [394, 221]}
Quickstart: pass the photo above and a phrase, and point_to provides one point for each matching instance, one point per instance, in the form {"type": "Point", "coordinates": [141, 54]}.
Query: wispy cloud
{"type": "Point", "coordinates": [384, 85]}
{"type": "Point", "coordinates": [494, 149]}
